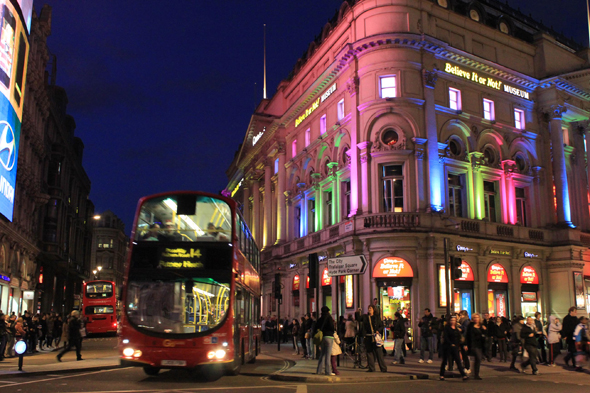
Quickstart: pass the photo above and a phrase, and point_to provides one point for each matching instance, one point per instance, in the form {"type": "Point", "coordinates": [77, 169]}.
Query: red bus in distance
{"type": "Point", "coordinates": [191, 292]}
{"type": "Point", "coordinates": [100, 307]}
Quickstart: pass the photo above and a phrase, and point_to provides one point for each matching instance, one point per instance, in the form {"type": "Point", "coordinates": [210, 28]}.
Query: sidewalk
{"type": "Point", "coordinates": [99, 355]}
{"type": "Point", "coordinates": [304, 370]}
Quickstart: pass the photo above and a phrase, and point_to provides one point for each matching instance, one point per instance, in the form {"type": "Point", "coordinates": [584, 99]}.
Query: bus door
{"type": "Point", "coordinates": [238, 322]}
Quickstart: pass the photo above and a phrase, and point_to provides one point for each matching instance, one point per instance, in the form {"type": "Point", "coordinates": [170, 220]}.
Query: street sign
{"type": "Point", "coordinates": [344, 266]}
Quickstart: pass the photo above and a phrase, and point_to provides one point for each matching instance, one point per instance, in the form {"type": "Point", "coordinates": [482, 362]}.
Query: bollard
{"type": "Point", "coordinates": [20, 348]}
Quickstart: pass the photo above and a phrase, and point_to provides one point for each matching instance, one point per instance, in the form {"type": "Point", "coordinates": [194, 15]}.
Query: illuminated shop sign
{"type": "Point", "coordinates": [326, 279]}
{"type": "Point", "coordinates": [315, 105]}
{"type": "Point", "coordinates": [530, 255]}
{"type": "Point", "coordinates": [349, 291]}
{"type": "Point", "coordinates": [14, 50]}
{"type": "Point", "coordinates": [5, 278]}
{"type": "Point", "coordinates": [392, 267]}
{"type": "Point", "coordinates": [463, 248]}
{"type": "Point", "coordinates": [529, 275]}
{"type": "Point", "coordinates": [529, 297]}
{"type": "Point", "coordinates": [296, 282]}
{"type": "Point", "coordinates": [497, 273]}
{"type": "Point", "coordinates": [181, 258]}
{"type": "Point", "coordinates": [485, 81]}
{"type": "Point", "coordinates": [500, 252]}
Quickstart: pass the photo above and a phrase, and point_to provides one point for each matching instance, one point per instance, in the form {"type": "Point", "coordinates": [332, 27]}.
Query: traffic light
{"type": "Point", "coordinates": [277, 285]}
{"type": "Point", "coordinates": [456, 271]}
{"type": "Point", "coordinates": [314, 264]}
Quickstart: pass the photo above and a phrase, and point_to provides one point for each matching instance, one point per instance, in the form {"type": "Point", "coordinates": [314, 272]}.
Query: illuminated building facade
{"type": "Point", "coordinates": [109, 248]}
{"type": "Point", "coordinates": [406, 123]}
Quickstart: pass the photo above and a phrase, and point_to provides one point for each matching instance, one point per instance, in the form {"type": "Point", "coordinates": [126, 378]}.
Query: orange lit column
{"type": "Point", "coordinates": [267, 224]}
{"type": "Point", "coordinates": [364, 157]}
{"type": "Point", "coordinates": [559, 166]}
{"type": "Point", "coordinates": [281, 201]}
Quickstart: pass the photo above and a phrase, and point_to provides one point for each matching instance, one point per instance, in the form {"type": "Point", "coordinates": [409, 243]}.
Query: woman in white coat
{"type": "Point", "coordinates": [336, 350]}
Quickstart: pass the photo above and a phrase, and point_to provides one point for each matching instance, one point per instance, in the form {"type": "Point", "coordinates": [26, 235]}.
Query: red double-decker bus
{"type": "Point", "coordinates": [100, 307]}
{"type": "Point", "coordinates": [191, 294]}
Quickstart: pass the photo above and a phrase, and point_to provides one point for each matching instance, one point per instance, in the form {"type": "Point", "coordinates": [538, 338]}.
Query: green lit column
{"type": "Point", "coordinates": [476, 208]}
{"type": "Point", "coordinates": [335, 185]}
{"type": "Point", "coordinates": [364, 156]}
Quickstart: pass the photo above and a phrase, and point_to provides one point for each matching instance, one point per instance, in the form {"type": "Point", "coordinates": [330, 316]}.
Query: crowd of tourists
{"type": "Point", "coordinates": [463, 341]}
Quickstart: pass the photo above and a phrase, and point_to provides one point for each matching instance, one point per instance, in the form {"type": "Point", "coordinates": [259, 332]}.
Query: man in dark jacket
{"type": "Point", "coordinates": [427, 325]}
{"type": "Point", "coordinates": [569, 324]}
{"type": "Point", "coordinates": [74, 336]}
{"type": "Point", "coordinates": [515, 340]}
{"type": "Point", "coordinates": [399, 334]}
{"type": "Point", "coordinates": [540, 336]}
{"type": "Point", "coordinates": [371, 324]}
{"type": "Point", "coordinates": [527, 334]}
{"type": "Point", "coordinates": [487, 321]}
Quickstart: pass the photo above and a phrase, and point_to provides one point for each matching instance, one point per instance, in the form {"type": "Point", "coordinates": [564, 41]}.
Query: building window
{"type": "Point", "coordinates": [346, 199]}
{"type": "Point", "coordinates": [490, 201]}
{"type": "Point", "coordinates": [521, 204]}
{"type": "Point", "coordinates": [519, 119]}
{"type": "Point", "coordinates": [340, 109]}
{"type": "Point", "coordinates": [456, 183]}
{"type": "Point", "coordinates": [454, 99]}
{"type": "Point", "coordinates": [311, 215]}
{"type": "Point", "coordinates": [323, 125]}
{"type": "Point", "coordinates": [276, 166]}
{"type": "Point", "coordinates": [294, 148]}
{"type": "Point", "coordinates": [307, 137]}
{"type": "Point", "coordinates": [393, 188]}
{"type": "Point", "coordinates": [328, 207]}
{"type": "Point", "coordinates": [388, 86]}
{"type": "Point", "coordinates": [488, 110]}
{"type": "Point", "coordinates": [298, 228]}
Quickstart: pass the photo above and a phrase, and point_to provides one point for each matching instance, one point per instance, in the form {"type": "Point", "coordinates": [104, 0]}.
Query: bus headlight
{"type": "Point", "coordinates": [128, 352]}
{"type": "Point", "coordinates": [137, 353]}
{"type": "Point", "coordinates": [220, 354]}
{"type": "Point", "coordinates": [211, 355]}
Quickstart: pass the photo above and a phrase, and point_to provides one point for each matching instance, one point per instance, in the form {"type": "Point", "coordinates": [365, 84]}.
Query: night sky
{"type": "Point", "coordinates": [162, 91]}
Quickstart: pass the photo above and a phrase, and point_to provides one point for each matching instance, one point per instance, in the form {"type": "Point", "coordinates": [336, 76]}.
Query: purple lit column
{"type": "Point", "coordinates": [352, 87]}
{"type": "Point", "coordinates": [364, 156]}
{"type": "Point", "coordinates": [559, 166]}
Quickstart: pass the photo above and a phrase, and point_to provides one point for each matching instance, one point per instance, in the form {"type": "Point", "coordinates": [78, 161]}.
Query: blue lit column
{"type": "Point", "coordinates": [559, 166]}
{"type": "Point", "coordinates": [434, 173]}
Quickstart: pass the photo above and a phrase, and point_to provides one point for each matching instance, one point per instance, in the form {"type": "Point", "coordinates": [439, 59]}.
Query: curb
{"type": "Point", "coordinates": [330, 379]}
{"type": "Point", "coordinates": [24, 373]}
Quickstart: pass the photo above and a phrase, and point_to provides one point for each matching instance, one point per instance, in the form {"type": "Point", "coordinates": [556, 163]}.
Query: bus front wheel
{"type": "Point", "coordinates": [149, 370]}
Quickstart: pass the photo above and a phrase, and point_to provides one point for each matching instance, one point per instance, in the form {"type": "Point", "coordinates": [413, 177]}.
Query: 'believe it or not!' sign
{"type": "Point", "coordinates": [391, 267]}
{"type": "Point", "coordinates": [497, 273]}
{"type": "Point", "coordinates": [344, 266]}
{"type": "Point", "coordinates": [529, 275]}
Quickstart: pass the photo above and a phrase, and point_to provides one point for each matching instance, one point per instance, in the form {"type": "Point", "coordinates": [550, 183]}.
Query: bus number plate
{"type": "Point", "coordinates": [173, 363]}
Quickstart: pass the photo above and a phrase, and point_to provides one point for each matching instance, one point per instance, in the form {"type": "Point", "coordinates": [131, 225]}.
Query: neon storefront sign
{"type": "Point", "coordinates": [349, 291]}
{"type": "Point", "coordinates": [485, 81]}
{"type": "Point", "coordinates": [529, 275]}
{"type": "Point", "coordinates": [392, 267]}
{"type": "Point", "coordinates": [497, 273]}
{"type": "Point", "coordinates": [326, 279]}
{"type": "Point", "coordinates": [296, 282]}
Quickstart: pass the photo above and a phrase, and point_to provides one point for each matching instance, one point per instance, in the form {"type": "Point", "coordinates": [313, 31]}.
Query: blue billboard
{"type": "Point", "coordinates": [9, 142]}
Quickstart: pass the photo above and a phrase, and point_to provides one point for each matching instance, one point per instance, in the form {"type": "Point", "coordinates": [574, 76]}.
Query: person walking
{"type": "Point", "coordinates": [399, 333]}
{"type": "Point", "coordinates": [58, 327]}
{"type": "Point", "coordinates": [326, 325]}
{"type": "Point", "coordinates": [50, 326]}
{"type": "Point", "coordinates": [553, 339]}
{"type": "Point", "coordinates": [74, 337]}
{"type": "Point", "coordinates": [463, 324]}
{"type": "Point", "coordinates": [540, 336]}
{"type": "Point", "coordinates": [3, 335]}
{"type": "Point", "coordinates": [475, 340]}
{"type": "Point", "coordinates": [301, 333]}
{"type": "Point", "coordinates": [516, 341]}
{"type": "Point", "coordinates": [10, 338]}
{"type": "Point", "coordinates": [581, 340]}
{"type": "Point", "coordinates": [500, 335]}
{"type": "Point", "coordinates": [527, 333]}
{"type": "Point", "coordinates": [336, 350]}
{"type": "Point", "coordinates": [350, 333]}
{"type": "Point", "coordinates": [427, 327]}
{"type": "Point", "coordinates": [263, 329]}
{"type": "Point", "coordinates": [371, 325]}
{"type": "Point", "coordinates": [570, 322]}
{"type": "Point", "coordinates": [450, 343]}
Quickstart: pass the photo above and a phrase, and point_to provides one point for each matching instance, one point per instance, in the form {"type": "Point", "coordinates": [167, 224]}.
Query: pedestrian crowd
{"type": "Point", "coordinates": [463, 340]}
{"type": "Point", "coordinates": [41, 332]}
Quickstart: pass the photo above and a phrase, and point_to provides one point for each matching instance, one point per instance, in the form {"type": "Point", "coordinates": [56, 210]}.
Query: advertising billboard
{"type": "Point", "coordinates": [14, 51]}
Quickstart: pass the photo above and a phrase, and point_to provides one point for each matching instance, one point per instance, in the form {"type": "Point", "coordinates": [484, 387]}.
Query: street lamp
{"type": "Point", "coordinates": [99, 268]}
{"type": "Point", "coordinates": [94, 272]}
{"type": "Point", "coordinates": [97, 217]}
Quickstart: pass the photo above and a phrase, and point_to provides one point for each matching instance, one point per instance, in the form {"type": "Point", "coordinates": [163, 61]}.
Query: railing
{"type": "Point", "coordinates": [536, 235]}
{"type": "Point", "coordinates": [502, 230]}
{"type": "Point", "coordinates": [286, 248]}
{"type": "Point", "coordinates": [393, 220]}
{"type": "Point", "coordinates": [315, 238]}
{"type": "Point", "coordinates": [334, 231]}
{"type": "Point", "coordinates": [470, 226]}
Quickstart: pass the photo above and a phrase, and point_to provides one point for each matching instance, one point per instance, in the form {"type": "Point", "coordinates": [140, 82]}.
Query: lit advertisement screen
{"type": "Point", "coordinates": [14, 50]}
{"type": "Point", "coordinates": [27, 8]}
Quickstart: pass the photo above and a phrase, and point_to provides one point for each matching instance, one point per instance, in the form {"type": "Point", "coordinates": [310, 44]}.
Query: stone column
{"type": "Point", "coordinates": [424, 182]}
{"type": "Point", "coordinates": [476, 208]}
{"type": "Point", "coordinates": [281, 205]}
{"type": "Point", "coordinates": [434, 173]}
{"type": "Point", "coordinates": [267, 204]}
{"type": "Point", "coordinates": [365, 184]}
{"type": "Point", "coordinates": [246, 203]}
{"type": "Point", "coordinates": [255, 219]}
{"type": "Point", "coordinates": [559, 166]}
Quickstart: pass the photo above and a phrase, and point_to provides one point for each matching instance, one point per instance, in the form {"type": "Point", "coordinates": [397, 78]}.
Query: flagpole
{"type": "Point", "coordinates": [264, 82]}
